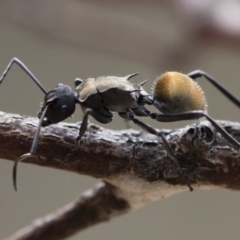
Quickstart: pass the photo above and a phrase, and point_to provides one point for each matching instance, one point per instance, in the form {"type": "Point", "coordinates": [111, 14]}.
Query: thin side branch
{"type": "Point", "coordinates": [134, 166]}
{"type": "Point", "coordinates": [93, 206]}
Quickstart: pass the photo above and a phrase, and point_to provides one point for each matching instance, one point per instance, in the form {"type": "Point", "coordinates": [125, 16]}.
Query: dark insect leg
{"type": "Point", "coordinates": [128, 126]}
{"type": "Point", "coordinates": [25, 69]}
{"type": "Point", "coordinates": [192, 115]}
{"type": "Point", "coordinates": [82, 130]}
{"type": "Point", "coordinates": [198, 73]}
{"type": "Point", "coordinates": [32, 151]}
{"type": "Point", "coordinates": [84, 124]}
{"type": "Point", "coordinates": [158, 133]}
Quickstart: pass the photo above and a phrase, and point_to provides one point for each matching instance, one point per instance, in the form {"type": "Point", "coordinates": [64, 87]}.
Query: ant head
{"type": "Point", "coordinates": [174, 92]}
{"type": "Point", "coordinates": [61, 102]}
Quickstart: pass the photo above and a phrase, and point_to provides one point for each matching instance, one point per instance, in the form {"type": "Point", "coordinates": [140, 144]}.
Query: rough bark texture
{"type": "Point", "coordinates": [134, 166]}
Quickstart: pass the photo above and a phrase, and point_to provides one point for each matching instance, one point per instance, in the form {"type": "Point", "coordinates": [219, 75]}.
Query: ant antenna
{"type": "Point", "coordinates": [35, 140]}
{"type": "Point", "coordinates": [25, 69]}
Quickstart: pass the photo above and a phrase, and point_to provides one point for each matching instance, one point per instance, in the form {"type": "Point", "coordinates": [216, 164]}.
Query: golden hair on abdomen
{"type": "Point", "coordinates": [174, 92]}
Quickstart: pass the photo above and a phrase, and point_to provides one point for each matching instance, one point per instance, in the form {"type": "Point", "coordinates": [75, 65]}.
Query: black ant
{"type": "Point", "coordinates": [101, 96]}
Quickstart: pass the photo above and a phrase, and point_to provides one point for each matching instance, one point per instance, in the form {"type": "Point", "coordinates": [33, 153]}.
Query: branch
{"type": "Point", "coordinates": [134, 166]}
{"type": "Point", "coordinates": [93, 206]}
{"type": "Point", "coordinates": [208, 20]}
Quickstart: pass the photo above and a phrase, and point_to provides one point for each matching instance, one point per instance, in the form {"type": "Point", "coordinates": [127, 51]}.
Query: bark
{"type": "Point", "coordinates": [134, 166]}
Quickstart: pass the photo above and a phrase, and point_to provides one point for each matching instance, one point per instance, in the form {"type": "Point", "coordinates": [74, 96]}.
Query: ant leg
{"type": "Point", "coordinates": [127, 116]}
{"type": "Point", "coordinates": [25, 69]}
{"type": "Point", "coordinates": [102, 117]}
{"type": "Point", "coordinates": [128, 126]}
{"type": "Point", "coordinates": [198, 73]}
{"type": "Point", "coordinates": [192, 115]}
{"type": "Point", "coordinates": [158, 133]}
{"type": "Point", "coordinates": [32, 151]}
{"type": "Point", "coordinates": [82, 130]}
{"type": "Point", "coordinates": [83, 127]}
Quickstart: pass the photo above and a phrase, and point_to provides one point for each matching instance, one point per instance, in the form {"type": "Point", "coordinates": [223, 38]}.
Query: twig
{"type": "Point", "coordinates": [93, 206]}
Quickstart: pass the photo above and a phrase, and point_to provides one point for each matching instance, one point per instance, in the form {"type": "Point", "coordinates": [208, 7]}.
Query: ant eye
{"type": "Point", "coordinates": [64, 108]}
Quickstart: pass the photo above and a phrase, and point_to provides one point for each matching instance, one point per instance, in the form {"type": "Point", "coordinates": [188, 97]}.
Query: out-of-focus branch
{"type": "Point", "coordinates": [110, 28]}
{"type": "Point", "coordinates": [216, 20]}
{"type": "Point", "coordinates": [134, 165]}
{"type": "Point", "coordinates": [93, 206]}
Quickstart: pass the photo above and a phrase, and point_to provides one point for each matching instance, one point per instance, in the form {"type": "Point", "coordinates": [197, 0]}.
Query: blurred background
{"type": "Point", "coordinates": [61, 40]}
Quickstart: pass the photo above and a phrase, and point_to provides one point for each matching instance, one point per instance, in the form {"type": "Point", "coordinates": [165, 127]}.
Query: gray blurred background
{"type": "Point", "coordinates": [61, 40]}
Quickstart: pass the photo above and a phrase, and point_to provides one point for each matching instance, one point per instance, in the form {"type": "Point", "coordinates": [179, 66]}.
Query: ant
{"type": "Point", "coordinates": [101, 96]}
